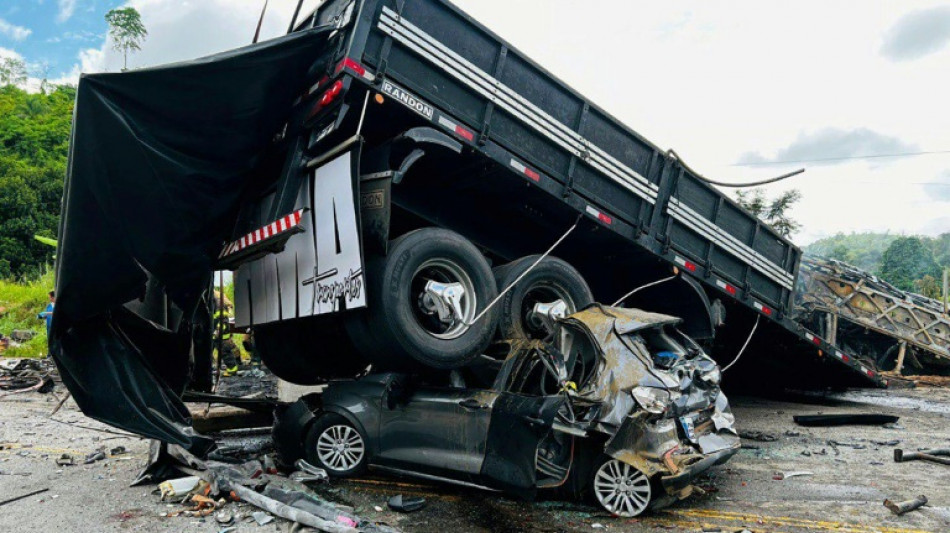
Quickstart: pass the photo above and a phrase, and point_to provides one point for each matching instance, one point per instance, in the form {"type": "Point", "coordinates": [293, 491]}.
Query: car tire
{"type": "Point", "coordinates": [397, 331]}
{"type": "Point", "coordinates": [551, 280]}
{"type": "Point", "coordinates": [309, 351]}
{"type": "Point", "coordinates": [331, 443]}
{"type": "Point", "coordinates": [620, 488]}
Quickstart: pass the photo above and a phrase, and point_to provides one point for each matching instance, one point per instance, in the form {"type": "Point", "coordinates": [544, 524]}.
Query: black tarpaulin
{"type": "Point", "coordinates": [159, 160]}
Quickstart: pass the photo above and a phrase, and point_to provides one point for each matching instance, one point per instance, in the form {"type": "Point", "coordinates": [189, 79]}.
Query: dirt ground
{"type": "Point", "coordinates": [851, 471]}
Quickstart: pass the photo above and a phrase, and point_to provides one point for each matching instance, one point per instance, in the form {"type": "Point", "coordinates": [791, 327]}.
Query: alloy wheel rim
{"type": "Point", "coordinates": [340, 448]}
{"type": "Point", "coordinates": [622, 489]}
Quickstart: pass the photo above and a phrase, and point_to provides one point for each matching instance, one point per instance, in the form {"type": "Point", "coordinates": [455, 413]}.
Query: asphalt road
{"type": "Point", "coordinates": [843, 492]}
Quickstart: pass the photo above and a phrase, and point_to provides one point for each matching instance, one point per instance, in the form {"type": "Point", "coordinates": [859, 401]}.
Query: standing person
{"type": "Point", "coordinates": [228, 352]}
{"type": "Point", "coordinates": [47, 314]}
{"type": "Point", "coordinates": [251, 349]}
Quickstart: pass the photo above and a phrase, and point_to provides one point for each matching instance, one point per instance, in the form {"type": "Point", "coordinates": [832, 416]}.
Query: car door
{"type": "Point", "coordinates": [437, 430]}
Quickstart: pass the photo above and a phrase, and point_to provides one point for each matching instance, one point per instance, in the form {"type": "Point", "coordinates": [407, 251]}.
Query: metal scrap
{"type": "Point", "coordinates": [845, 419]}
{"type": "Point", "coordinates": [900, 508]}
{"type": "Point", "coordinates": [941, 456]}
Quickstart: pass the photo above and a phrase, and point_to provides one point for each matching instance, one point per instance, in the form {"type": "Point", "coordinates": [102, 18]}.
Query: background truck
{"type": "Point", "coordinates": [427, 151]}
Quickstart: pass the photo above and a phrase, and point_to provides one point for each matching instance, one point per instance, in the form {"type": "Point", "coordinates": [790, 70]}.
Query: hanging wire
{"type": "Point", "coordinates": [744, 346]}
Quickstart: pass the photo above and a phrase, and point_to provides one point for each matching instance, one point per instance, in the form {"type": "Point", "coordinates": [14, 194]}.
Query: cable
{"type": "Point", "coordinates": [844, 158]}
{"type": "Point", "coordinates": [641, 287]}
{"type": "Point", "coordinates": [525, 273]}
{"type": "Point", "coordinates": [744, 346]}
{"type": "Point", "coordinates": [672, 153]}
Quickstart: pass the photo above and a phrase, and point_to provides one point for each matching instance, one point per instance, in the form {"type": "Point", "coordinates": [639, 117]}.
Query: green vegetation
{"type": "Point", "coordinates": [19, 305]}
{"type": "Point", "coordinates": [863, 250]}
{"type": "Point", "coordinates": [34, 139]}
{"type": "Point", "coordinates": [774, 212]}
{"type": "Point", "coordinates": [126, 31]}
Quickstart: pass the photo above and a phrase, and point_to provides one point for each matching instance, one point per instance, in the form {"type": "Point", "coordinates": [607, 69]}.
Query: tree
{"type": "Point", "coordinates": [906, 261]}
{"type": "Point", "coordinates": [127, 31]}
{"type": "Point", "coordinates": [12, 71]}
{"type": "Point", "coordinates": [774, 212]}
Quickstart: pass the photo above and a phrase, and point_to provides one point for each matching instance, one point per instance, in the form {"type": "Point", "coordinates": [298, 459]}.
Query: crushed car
{"type": "Point", "coordinates": [620, 406]}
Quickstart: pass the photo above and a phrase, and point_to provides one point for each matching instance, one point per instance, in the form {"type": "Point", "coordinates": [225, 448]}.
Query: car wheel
{"type": "Point", "coordinates": [553, 280]}
{"type": "Point", "coordinates": [620, 488]}
{"type": "Point", "coordinates": [334, 444]}
{"type": "Point", "coordinates": [407, 323]}
{"type": "Point", "coordinates": [308, 351]}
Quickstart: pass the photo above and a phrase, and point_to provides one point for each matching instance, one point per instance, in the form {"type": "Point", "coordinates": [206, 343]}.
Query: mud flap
{"type": "Point", "coordinates": [518, 424]}
{"type": "Point", "coordinates": [320, 269]}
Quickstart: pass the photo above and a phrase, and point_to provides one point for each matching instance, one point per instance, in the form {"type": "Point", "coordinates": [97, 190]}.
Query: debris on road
{"type": "Point", "coordinates": [405, 504]}
{"type": "Point", "coordinates": [788, 475]}
{"type": "Point", "coordinates": [307, 473]}
{"type": "Point", "coordinates": [27, 495]}
{"type": "Point", "coordinates": [178, 487]}
{"type": "Point", "coordinates": [97, 455]}
{"type": "Point", "coordinates": [759, 436]}
{"type": "Point", "coordinates": [900, 508]}
{"type": "Point", "coordinates": [262, 518]}
{"type": "Point", "coordinates": [65, 460]}
{"type": "Point", "coordinates": [27, 375]}
{"type": "Point", "coordinates": [941, 456]}
{"type": "Point", "coordinates": [848, 419]}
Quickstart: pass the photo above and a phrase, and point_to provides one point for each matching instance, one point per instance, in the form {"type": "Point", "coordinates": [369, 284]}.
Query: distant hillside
{"type": "Point", "coordinates": [863, 250]}
{"type": "Point", "coordinates": [866, 251]}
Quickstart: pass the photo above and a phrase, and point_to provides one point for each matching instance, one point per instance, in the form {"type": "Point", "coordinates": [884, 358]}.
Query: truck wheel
{"type": "Point", "coordinates": [308, 351]}
{"type": "Point", "coordinates": [620, 488]}
{"type": "Point", "coordinates": [423, 295]}
{"type": "Point", "coordinates": [551, 281]}
{"type": "Point", "coordinates": [334, 444]}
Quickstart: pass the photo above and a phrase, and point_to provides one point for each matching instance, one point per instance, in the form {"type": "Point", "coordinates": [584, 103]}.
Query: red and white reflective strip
{"type": "Point", "coordinates": [766, 310]}
{"type": "Point", "coordinates": [353, 66]}
{"type": "Point", "coordinates": [866, 370]}
{"type": "Point", "coordinates": [688, 265]}
{"type": "Point", "coordinates": [517, 165]}
{"type": "Point", "coordinates": [606, 219]}
{"type": "Point", "coordinates": [279, 226]}
{"type": "Point", "coordinates": [459, 130]}
{"type": "Point", "coordinates": [843, 356]}
{"type": "Point", "coordinates": [815, 340]}
{"type": "Point", "coordinates": [731, 289]}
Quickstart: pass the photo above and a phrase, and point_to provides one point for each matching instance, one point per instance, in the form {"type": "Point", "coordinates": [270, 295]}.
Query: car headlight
{"type": "Point", "coordinates": [651, 400]}
{"type": "Point", "coordinates": [713, 377]}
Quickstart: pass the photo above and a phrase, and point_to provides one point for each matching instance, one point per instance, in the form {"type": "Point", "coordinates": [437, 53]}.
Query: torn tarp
{"type": "Point", "coordinates": [159, 160]}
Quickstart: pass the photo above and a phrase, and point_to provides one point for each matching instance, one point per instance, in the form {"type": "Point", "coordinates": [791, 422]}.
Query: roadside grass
{"type": "Point", "coordinates": [22, 301]}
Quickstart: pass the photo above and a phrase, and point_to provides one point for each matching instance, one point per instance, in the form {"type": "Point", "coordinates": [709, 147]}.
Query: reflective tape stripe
{"type": "Point", "coordinates": [479, 81]}
{"type": "Point", "coordinates": [273, 229]}
{"type": "Point", "coordinates": [727, 242]}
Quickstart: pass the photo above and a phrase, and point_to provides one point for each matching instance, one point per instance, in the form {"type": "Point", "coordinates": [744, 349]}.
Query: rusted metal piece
{"type": "Point", "coordinates": [900, 508]}
{"type": "Point", "coordinates": [940, 455]}
{"type": "Point", "coordinates": [887, 327]}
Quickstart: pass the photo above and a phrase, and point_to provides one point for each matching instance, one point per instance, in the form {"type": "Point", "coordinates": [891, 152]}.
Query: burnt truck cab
{"type": "Point", "coordinates": [620, 407]}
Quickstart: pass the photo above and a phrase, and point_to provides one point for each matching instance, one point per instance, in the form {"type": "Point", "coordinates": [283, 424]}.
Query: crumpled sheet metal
{"type": "Point", "coordinates": [648, 442]}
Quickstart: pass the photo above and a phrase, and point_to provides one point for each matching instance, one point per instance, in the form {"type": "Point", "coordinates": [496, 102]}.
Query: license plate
{"type": "Point", "coordinates": [689, 427]}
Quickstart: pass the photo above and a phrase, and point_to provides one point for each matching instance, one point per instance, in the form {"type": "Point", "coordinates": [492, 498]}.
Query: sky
{"type": "Point", "coordinates": [742, 90]}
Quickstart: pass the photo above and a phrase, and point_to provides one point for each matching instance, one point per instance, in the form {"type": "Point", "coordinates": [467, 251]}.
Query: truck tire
{"type": "Point", "coordinates": [401, 329]}
{"type": "Point", "coordinates": [308, 351]}
{"type": "Point", "coordinates": [553, 279]}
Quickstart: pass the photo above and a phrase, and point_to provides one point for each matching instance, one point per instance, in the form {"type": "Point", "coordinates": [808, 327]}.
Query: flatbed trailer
{"type": "Point", "coordinates": [531, 155]}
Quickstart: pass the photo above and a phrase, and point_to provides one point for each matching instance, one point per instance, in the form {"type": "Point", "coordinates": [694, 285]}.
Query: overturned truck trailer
{"type": "Point", "coordinates": [386, 182]}
{"type": "Point", "coordinates": [893, 329]}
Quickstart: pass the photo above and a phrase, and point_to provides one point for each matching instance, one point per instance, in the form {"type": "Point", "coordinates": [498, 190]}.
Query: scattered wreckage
{"type": "Point", "coordinates": [890, 329]}
{"type": "Point", "coordinates": [627, 410]}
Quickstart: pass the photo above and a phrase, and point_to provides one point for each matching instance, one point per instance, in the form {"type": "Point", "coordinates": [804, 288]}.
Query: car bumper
{"type": "Point", "coordinates": [676, 483]}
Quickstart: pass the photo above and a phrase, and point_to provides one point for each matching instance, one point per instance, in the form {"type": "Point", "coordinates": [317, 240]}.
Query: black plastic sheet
{"type": "Point", "coordinates": [159, 161]}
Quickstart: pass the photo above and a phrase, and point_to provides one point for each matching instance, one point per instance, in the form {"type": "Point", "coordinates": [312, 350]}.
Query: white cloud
{"type": "Point", "coordinates": [17, 33]}
{"type": "Point", "coordinates": [66, 10]}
